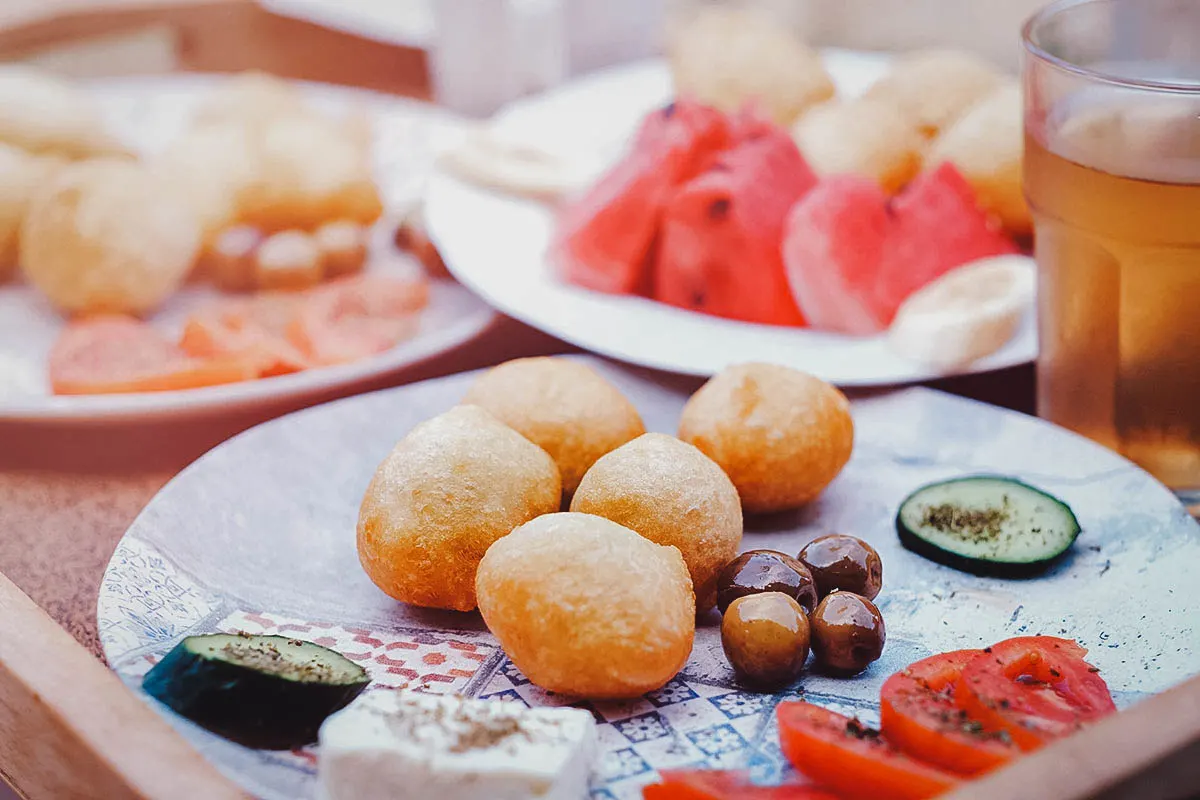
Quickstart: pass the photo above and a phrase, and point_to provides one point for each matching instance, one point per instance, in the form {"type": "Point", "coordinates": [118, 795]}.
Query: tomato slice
{"type": "Point", "coordinates": [115, 354]}
{"type": "Point", "coordinates": [254, 330]}
{"type": "Point", "coordinates": [854, 762]}
{"type": "Point", "coordinates": [918, 714]}
{"type": "Point", "coordinates": [1038, 688]}
{"type": "Point", "coordinates": [356, 317]}
{"type": "Point", "coordinates": [716, 784]}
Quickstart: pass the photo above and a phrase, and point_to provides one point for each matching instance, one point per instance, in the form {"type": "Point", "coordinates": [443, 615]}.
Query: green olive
{"type": "Point", "coordinates": [765, 637]}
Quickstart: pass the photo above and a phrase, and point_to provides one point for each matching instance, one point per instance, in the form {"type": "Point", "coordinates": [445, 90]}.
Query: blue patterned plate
{"type": "Point", "coordinates": [259, 535]}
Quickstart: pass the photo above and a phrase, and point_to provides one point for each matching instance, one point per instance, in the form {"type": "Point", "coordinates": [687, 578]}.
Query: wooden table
{"type": "Point", "coordinates": [67, 727]}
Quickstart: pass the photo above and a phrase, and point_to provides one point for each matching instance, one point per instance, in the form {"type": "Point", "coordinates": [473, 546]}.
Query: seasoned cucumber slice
{"type": "Point", "coordinates": [987, 525]}
{"type": "Point", "coordinates": [269, 692]}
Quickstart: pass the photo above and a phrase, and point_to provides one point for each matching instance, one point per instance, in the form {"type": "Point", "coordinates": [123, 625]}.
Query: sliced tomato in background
{"type": "Point", "coordinates": [117, 354]}
{"type": "Point", "coordinates": [252, 329]}
{"type": "Point", "coordinates": [918, 714]}
{"type": "Point", "coordinates": [714, 784]}
{"type": "Point", "coordinates": [1037, 688]}
{"type": "Point", "coordinates": [356, 317]}
{"type": "Point", "coordinates": [854, 762]}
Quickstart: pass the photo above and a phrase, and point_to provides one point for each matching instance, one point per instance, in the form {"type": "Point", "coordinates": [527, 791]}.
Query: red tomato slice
{"type": "Point", "coordinates": [918, 715]}
{"type": "Point", "coordinates": [118, 354]}
{"type": "Point", "coordinates": [356, 317]}
{"type": "Point", "coordinates": [715, 784]}
{"type": "Point", "coordinates": [253, 330]}
{"type": "Point", "coordinates": [854, 762]}
{"type": "Point", "coordinates": [1038, 688]}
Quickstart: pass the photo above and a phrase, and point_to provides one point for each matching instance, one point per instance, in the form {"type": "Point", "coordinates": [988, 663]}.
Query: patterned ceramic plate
{"type": "Point", "coordinates": [147, 112]}
{"type": "Point", "coordinates": [258, 535]}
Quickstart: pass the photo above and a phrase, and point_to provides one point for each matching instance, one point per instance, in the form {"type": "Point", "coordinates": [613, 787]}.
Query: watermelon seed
{"type": "Point", "coordinates": [718, 209]}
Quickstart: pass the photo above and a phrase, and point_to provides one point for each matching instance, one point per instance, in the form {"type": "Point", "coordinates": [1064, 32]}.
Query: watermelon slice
{"type": "Point", "coordinates": [853, 255]}
{"type": "Point", "coordinates": [604, 238]}
{"type": "Point", "coordinates": [719, 250]}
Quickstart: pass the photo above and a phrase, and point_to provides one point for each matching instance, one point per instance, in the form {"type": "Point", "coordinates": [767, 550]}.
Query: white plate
{"type": "Point", "coordinates": [147, 113]}
{"type": "Point", "coordinates": [259, 535]}
{"type": "Point", "coordinates": [495, 244]}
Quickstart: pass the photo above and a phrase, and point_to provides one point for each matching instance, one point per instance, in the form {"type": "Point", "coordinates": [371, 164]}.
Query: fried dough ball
{"type": "Point", "coordinates": [671, 493]}
{"type": "Point", "coordinates": [211, 166]}
{"type": "Point", "coordinates": [987, 145]}
{"type": "Point", "coordinates": [107, 236]}
{"type": "Point", "coordinates": [781, 435]}
{"type": "Point", "coordinates": [249, 98]}
{"type": "Point", "coordinates": [312, 170]}
{"type": "Point", "coordinates": [20, 175]}
{"type": "Point", "coordinates": [861, 137]}
{"type": "Point", "coordinates": [343, 246]}
{"type": "Point", "coordinates": [932, 88]}
{"type": "Point", "coordinates": [231, 259]}
{"type": "Point", "coordinates": [562, 406]}
{"type": "Point", "coordinates": [586, 607]}
{"type": "Point", "coordinates": [289, 261]}
{"type": "Point", "coordinates": [728, 57]}
{"type": "Point", "coordinates": [450, 488]}
{"type": "Point", "coordinates": [45, 115]}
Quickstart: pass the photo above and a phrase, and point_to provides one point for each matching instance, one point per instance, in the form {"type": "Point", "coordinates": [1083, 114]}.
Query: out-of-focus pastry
{"type": "Point", "coordinates": [987, 145]}
{"type": "Point", "coordinates": [343, 246]}
{"type": "Point", "coordinates": [107, 235]}
{"type": "Point", "coordinates": [211, 166]}
{"type": "Point", "coordinates": [861, 137]}
{"type": "Point", "coordinates": [933, 88]}
{"type": "Point", "coordinates": [672, 494]}
{"type": "Point", "coordinates": [288, 260]}
{"type": "Point", "coordinates": [450, 488]}
{"type": "Point", "coordinates": [20, 175]}
{"type": "Point", "coordinates": [249, 98]}
{"type": "Point", "coordinates": [732, 57]}
{"type": "Point", "coordinates": [588, 608]}
{"type": "Point", "coordinates": [781, 435]}
{"type": "Point", "coordinates": [564, 407]}
{"type": "Point", "coordinates": [43, 114]}
{"type": "Point", "coordinates": [231, 261]}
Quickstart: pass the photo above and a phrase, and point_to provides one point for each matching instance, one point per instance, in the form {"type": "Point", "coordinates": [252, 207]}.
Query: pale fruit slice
{"type": "Point", "coordinates": [966, 314]}
{"type": "Point", "coordinates": [507, 165]}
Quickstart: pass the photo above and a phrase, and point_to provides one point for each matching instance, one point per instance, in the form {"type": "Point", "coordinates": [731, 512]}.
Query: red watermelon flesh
{"type": "Point", "coordinates": [718, 250]}
{"type": "Point", "coordinates": [604, 238]}
{"type": "Point", "coordinates": [853, 254]}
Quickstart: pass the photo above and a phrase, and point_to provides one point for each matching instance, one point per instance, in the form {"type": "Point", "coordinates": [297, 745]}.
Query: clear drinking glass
{"type": "Point", "coordinates": [1112, 175]}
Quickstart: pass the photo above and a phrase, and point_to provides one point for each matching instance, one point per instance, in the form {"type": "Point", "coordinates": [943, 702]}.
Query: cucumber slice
{"type": "Point", "coordinates": [267, 692]}
{"type": "Point", "coordinates": [987, 525]}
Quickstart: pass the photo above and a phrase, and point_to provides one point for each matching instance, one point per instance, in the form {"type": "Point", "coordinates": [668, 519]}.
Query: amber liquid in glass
{"type": "Point", "coordinates": [1115, 192]}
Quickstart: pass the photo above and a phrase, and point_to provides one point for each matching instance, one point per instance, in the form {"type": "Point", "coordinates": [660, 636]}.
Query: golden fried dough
{"type": "Point", "coordinates": [289, 261]}
{"type": "Point", "coordinates": [671, 493]}
{"type": "Point", "coordinates": [586, 607]}
{"type": "Point", "coordinates": [861, 137]}
{"type": "Point", "coordinates": [932, 88]}
{"type": "Point", "coordinates": [449, 489]}
{"type": "Point", "coordinates": [211, 166]}
{"type": "Point", "coordinates": [20, 175]}
{"type": "Point", "coordinates": [312, 170]}
{"type": "Point", "coordinates": [107, 235]}
{"type": "Point", "coordinates": [562, 406]}
{"type": "Point", "coordinates": [230, 260]}
{"type": "Point", "coordinates": [733, 57]}
{"type": "Point", "coordinates": [987, 145]}
{"type": "Point", "coordinates": [781, 435]}
{"type": "Point", "coordinates": [343, 246]}
{"type": "Point", "coordinates": [43, 114]}
{"type": "Point", "coordinates": [249, 98]}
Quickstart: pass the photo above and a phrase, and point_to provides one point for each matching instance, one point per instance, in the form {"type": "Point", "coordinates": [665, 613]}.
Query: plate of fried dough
{"type": "Point", "coordinates": [853, 209]}
{"type": "Point", "coordinates": [557, 531]}
{"type": "Point", "coordinates": [194, 244]}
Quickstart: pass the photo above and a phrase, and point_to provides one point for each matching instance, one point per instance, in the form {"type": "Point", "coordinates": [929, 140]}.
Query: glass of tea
{"type": "Point", "coordinates": [1112, 176]}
